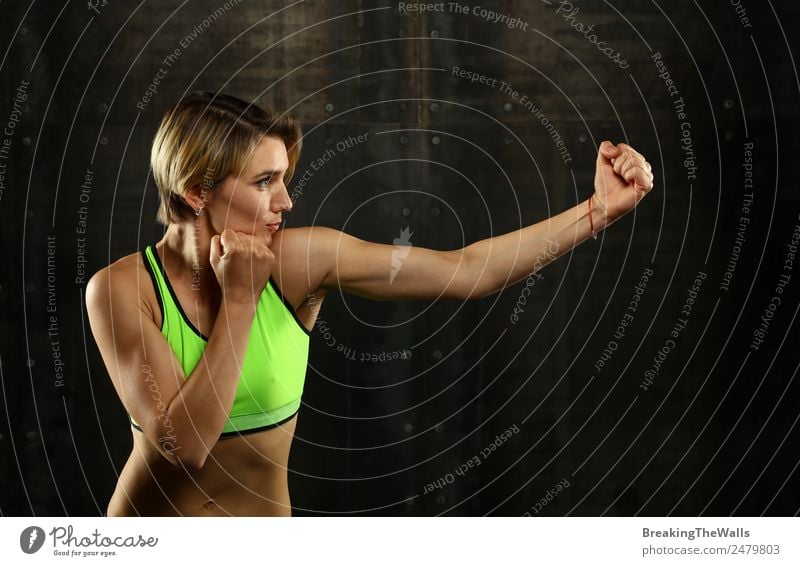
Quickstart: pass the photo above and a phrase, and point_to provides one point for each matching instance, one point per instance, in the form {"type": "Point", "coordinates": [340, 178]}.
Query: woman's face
{"type": "Point", "coordinates": [250, 202]}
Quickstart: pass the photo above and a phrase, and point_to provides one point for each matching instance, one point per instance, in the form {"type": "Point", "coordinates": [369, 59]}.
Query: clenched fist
{"type": "Point", "coordinates": [242, 264]}
{"type": "Point", "coordinates": [623, 177]}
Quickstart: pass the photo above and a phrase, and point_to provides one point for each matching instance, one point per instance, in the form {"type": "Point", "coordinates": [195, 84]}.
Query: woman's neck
{"type": "Point", "coordinates": [185, 250]}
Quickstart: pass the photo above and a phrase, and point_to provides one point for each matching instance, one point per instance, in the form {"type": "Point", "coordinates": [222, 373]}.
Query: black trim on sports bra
{"type": "Point", "coordinates": [237, 432]}
{"type": "Point", "coordinates": [258, 429]}
{"type": "Point", "coordinates": [174, 296]}
{"type": "Point", "coordinates": [289, 307]}
{"type": "Point", "coordinates": [283, 299]}
{"type": "Point", "coordinates": [149, 269]}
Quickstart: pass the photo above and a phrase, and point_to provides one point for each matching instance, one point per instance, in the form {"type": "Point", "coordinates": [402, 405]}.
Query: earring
{"type": "Point", "coordinates": [199, 211]}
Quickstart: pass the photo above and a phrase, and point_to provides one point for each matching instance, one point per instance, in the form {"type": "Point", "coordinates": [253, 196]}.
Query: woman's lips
{"type": "Point", "coordinates": [274, 227]}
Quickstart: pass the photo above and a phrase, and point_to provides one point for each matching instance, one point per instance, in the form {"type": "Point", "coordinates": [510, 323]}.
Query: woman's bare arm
{"type": "Point", "coordinates": [384, 272]}
{"type": "Point", "coordinates": [182, 417]}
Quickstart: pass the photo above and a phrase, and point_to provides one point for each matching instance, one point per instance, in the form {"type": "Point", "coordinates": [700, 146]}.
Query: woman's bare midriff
{"type": "Point", "coordinates": [243, 475]}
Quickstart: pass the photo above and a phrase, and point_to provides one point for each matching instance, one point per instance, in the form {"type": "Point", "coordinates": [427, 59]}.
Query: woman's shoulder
{"type": "Point", "coordinates": [291, 245]}
{"type": "Point", "coordinates": [301, 242]}
{"type": "Point", "coordinates": [126, 279]}
{"type": "Point", "coordinates": [122, 271]}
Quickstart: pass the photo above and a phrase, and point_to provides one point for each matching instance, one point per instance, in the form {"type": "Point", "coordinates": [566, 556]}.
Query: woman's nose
{"type": "Point", "coordinates": [282, 200]}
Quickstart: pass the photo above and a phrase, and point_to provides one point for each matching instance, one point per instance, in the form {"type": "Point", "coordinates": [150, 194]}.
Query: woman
{"type": "Point", "coordinates": [205, 334]}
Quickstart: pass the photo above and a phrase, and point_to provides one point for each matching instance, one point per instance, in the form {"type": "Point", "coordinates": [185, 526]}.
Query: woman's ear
{"type": "Point", "coordinates": [193, 196]}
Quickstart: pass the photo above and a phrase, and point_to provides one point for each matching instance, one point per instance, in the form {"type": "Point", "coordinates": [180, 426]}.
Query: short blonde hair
{"type": "Point", "coordinates": [207, 136]}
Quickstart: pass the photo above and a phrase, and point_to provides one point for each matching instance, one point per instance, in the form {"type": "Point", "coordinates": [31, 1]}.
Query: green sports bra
{"type": "Point", "coordinates": [274, 367]}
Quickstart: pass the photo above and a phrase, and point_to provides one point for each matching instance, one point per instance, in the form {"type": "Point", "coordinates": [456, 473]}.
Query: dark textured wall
{"type": "Point", "coordinates": [714, 433]}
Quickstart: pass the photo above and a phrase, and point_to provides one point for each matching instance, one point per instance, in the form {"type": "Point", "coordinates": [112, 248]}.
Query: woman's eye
{"type": "Point", "coordinates": [265, 180]}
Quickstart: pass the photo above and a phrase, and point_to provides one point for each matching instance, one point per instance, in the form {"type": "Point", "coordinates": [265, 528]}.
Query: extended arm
{"type": "Point", "coordinates": [622, 178]}
{"type": "Point", "coordinates": [500, 261]}
{"type": "Point", "coordinates": [380, 271]}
